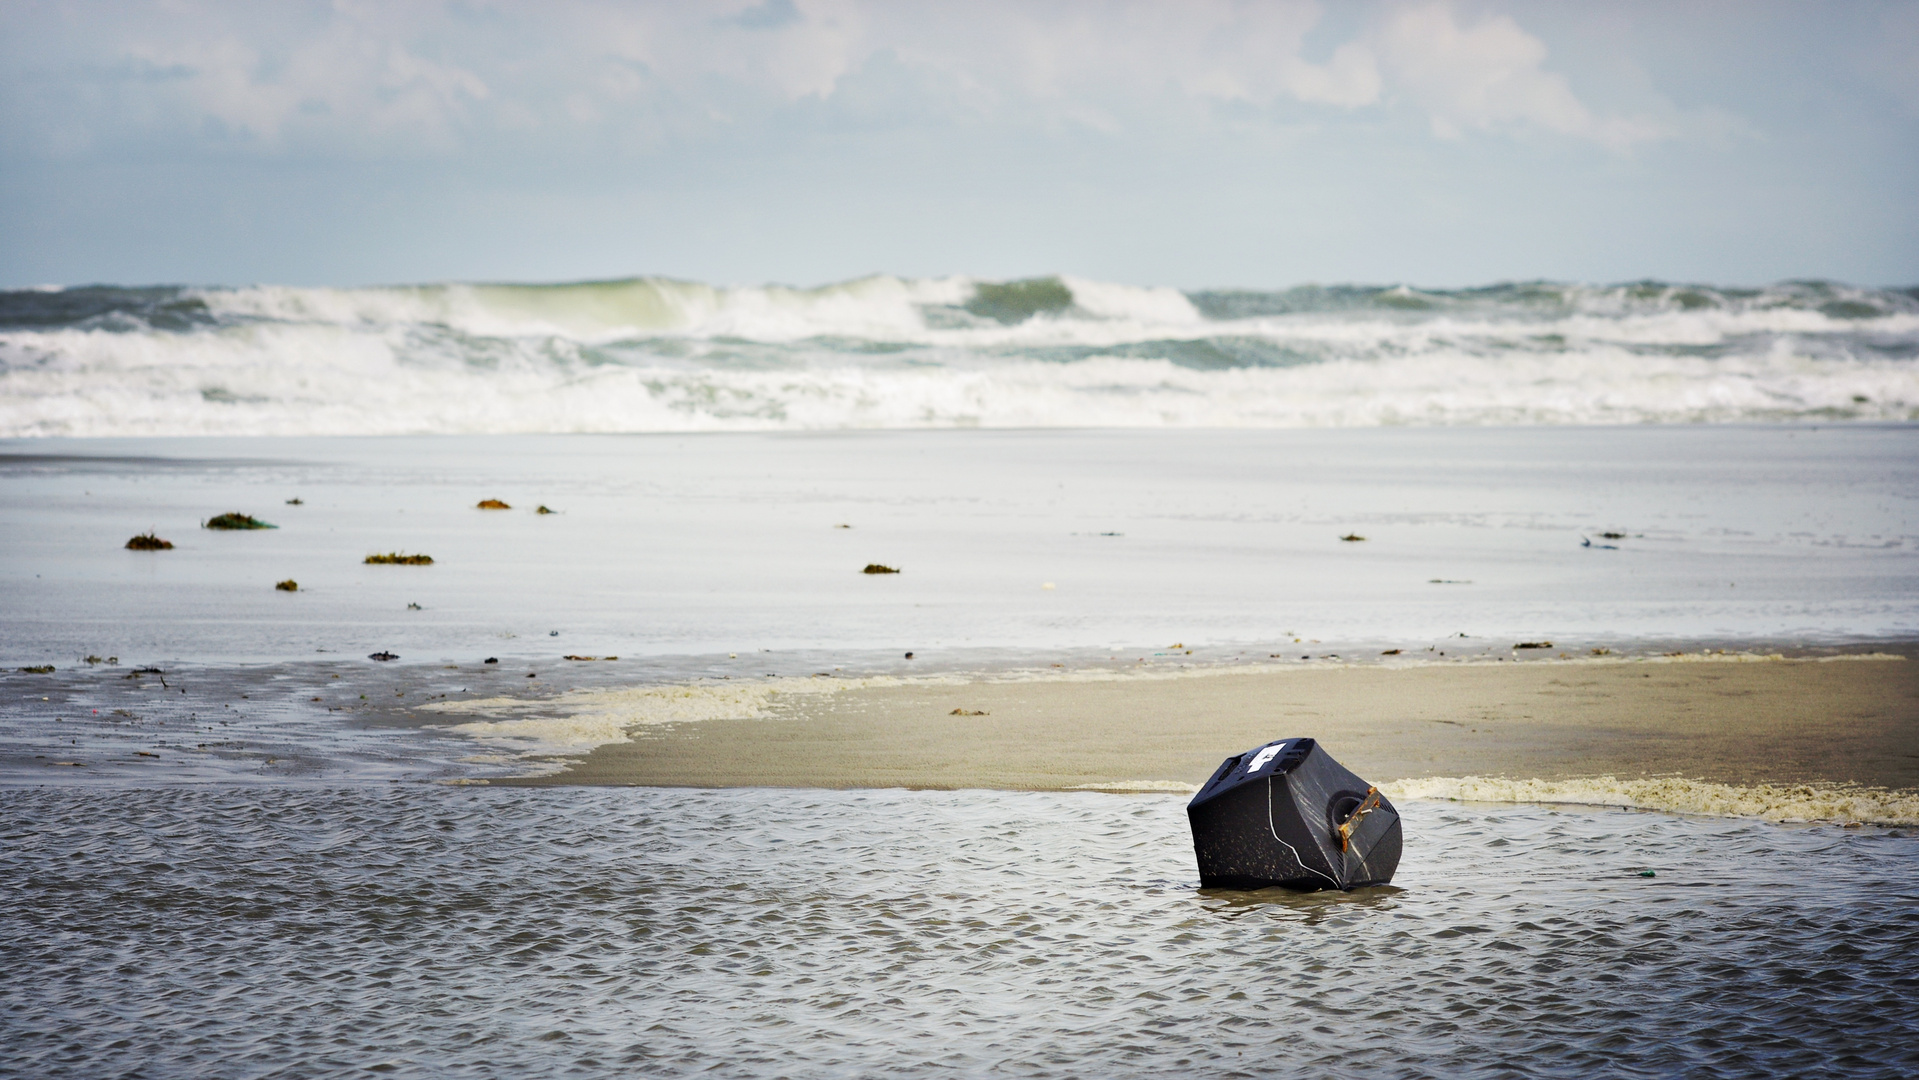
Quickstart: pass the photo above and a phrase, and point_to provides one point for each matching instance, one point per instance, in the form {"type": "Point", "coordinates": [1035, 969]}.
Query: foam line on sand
{"type": "Point", "coordinates": [1770, 802]}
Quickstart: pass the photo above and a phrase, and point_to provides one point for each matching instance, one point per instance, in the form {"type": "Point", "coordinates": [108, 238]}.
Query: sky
{"type": "Point", "coordinates": [1202, 143]}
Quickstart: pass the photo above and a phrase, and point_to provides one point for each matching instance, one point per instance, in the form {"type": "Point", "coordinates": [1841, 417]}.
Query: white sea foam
{"type": "Point", "coordinates": [883, 352]}
{"type": "Point", "coordinates": [331, 382]}
{"type": "Point", "coordinates": [1771, 802]}
{"type": "Point", "coordinates": [578, 721]}
{"type": "Point", "coordinates": [1143, 307]}
{"type": "Point", "coordinates": [1143, 787]}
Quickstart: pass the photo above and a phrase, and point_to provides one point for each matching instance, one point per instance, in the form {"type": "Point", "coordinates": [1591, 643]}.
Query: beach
{"type": "Point", "coordinates": [822, 539]}
{"type": "Point", "coordinates": [1089, 610]}
{"type": "Point", "coordinates": [773, 751]}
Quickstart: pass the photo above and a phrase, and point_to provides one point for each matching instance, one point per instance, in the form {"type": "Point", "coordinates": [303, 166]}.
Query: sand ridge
{"type": "Point", "coordinates": [1781, 722]}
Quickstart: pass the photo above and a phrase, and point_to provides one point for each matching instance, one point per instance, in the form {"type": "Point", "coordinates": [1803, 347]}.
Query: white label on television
{"type": "Point", "coordinates": [1260, 759]}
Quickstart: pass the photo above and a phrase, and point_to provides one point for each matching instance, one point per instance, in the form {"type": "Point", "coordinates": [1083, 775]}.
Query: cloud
{"type": "Point", "coordinates": [351, 69]}
{"type": "Point", "coordinates": [457, 72]}
{"type": "Point", "coordinates": [1488, 77]}
{"type": "Point", "coordinates": [377, 85]}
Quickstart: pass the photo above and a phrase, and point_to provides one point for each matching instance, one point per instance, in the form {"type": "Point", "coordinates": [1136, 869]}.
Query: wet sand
{"type": "Point", "coordinates": [1850, 721]}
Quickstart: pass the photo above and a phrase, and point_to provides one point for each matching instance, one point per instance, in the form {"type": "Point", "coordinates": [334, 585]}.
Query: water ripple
{"type": "Point", "coordinates": [281, 932]}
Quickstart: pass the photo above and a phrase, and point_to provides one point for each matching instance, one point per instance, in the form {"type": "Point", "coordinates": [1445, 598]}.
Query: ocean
{"type": "Point", "coordinates": [244, 832]}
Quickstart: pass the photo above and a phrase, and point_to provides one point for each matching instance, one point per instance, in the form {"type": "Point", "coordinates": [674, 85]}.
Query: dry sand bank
{"type": "Point", "coordinates": [1852, 721]}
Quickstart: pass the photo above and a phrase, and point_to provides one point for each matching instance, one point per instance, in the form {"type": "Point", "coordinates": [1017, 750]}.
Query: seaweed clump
{"type": "Point", "coordinates": [493, 504]}
{"type": "Point", "coordinates": [289, 585]}
{"type": "Point", "coordinates": [146, 541]}
{"type": "Point", "coordinates": [1534, 645]}
{"type": "Point", "coordinates": [39, 669]}
{"type": "Point", "coordinates": [236, 521]}
{"type": "Point", "coordinates": [1352, 538]}
{"type": "Point", "coordinates": [876, 568]}
{"type": "Point", "coordinates": [397, 558]}
{"type": "Point", "coordinates": [543, 510]}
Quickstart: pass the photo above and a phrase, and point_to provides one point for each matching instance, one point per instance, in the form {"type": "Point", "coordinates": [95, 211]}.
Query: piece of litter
{"type": "Point", "coordinates": [1352, 538]}
{"type": "Point", "coordinates": [493, 504]}
{"type": "Point", "coordinates": [381, 655]}
{"type": "Point", "coordinates": [289, 585]}
{"type": "Point", "coordinates": [1647, 873]}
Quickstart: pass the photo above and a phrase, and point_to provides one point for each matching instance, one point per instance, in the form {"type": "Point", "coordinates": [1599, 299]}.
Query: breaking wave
{"type": "Point", "coordinates": [652, 354]}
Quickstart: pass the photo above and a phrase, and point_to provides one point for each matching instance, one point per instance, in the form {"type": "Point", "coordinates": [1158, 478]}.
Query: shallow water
{"type": "Point", "coordinates": [723, 553]}
{"type": "Point", "coordinates": [297, 931]}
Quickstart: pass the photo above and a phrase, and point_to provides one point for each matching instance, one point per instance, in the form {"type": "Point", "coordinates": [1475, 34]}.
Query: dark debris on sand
{"type": "Point", "coordinates": [397, 558]}
{"type": "Point", "coordinates": [876, 568]}
{"type": "Point", "coordinates": [147, 541]}
{"type": "Point", "coordinates": [236, 521]}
